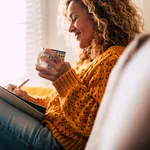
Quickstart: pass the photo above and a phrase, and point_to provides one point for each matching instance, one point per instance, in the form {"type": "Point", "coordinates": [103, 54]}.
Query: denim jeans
{"type": "Point", "coordinates": [19, 131]}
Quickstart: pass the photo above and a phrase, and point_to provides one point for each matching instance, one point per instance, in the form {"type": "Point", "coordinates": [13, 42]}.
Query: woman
{"type": "Point", "coordinates": [102, 29]}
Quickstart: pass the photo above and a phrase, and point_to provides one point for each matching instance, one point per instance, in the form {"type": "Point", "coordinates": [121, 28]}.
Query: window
{"type": "Point", "coordinates": [21, 39]}
{"type": "Point", "coordinates": [12, 39]}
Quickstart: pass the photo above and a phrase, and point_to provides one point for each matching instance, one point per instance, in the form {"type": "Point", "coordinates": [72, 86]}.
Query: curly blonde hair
{"type": "Point", "coordinates": [117, 22]}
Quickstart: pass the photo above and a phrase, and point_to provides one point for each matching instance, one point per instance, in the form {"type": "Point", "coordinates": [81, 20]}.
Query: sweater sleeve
{"type": "Point", "coordinates": [80, 98]}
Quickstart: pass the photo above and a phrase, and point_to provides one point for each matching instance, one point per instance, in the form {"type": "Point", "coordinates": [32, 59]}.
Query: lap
{"type": "Point", "coordinates": [20, 131]}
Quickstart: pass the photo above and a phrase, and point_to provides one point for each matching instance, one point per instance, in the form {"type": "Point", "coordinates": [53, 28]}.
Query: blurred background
{"type": "Point", "coordinates": [28, 25]}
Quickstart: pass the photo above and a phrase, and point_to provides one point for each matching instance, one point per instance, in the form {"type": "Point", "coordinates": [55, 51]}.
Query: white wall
{"type": "Point", "coordinates": [144, 6]}
{"type": "Point", "coordinates": [146, 13]}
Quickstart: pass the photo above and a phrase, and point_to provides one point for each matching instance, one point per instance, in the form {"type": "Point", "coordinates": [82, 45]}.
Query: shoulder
{"type": "Point", "coordinates": [113, 51]}
{"type": "Point", "coordinates": [110, 55]}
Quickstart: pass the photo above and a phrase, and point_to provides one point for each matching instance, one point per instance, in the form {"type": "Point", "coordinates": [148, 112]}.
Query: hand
{"type": "Point", "coordinates": [58, 67]}
{"type": "Point", "coordinates": [11, 87]}
{"type": "Point", "coordinates": [17, 91]}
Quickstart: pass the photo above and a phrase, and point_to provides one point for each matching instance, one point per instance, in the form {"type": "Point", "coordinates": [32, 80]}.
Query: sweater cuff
{"type": "Point", "coordinates": [67, 81]}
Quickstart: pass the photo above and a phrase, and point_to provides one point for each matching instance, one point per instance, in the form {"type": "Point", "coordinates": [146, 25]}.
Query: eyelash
{"type": "Point", "coordinates": [74, 19]}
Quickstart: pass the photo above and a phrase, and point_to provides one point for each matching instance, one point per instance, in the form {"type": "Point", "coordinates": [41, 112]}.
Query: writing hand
{"type": "Point", "coordinates": [17, 91]}
{"type": "Point", "coordinates": [11, 87]}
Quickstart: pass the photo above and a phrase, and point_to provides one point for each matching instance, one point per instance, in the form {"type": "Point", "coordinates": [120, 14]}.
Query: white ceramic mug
{"type": "Point", "coordinates": [61, 54]}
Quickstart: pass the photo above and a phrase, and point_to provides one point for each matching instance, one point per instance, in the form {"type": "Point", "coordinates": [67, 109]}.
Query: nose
{"type": "Point", "coordinates": [71, 28]}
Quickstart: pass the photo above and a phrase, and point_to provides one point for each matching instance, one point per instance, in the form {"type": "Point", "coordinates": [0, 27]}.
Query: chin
{"type": "Point", "coordinates": [82, 46]}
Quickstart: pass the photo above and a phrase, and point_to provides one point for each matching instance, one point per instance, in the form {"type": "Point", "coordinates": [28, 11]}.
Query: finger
{"type": "Point", "coordinates": [46, 76]}
{"type": "Point", "coordinates": [52, 53]}
{"type": "Point", "coordinates": [60, 67]}
{"type": "Point", "coordinates": [11, 87]}
{"type": "Point", "coordinates": [49, 62]}
{"type": "Point", "coordinates": [47, 71]}
{"type": "Point", "coordinates": [21, 93]}
{"type": "Point", "coordinates": [17, 92]}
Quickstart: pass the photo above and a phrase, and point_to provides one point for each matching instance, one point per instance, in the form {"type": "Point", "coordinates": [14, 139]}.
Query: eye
{"type": "Point", "coordinates": [73, 19]}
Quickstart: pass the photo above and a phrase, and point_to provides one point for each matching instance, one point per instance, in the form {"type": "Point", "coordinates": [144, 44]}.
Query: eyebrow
{"type": "Point", "coordinates": [70, 16]}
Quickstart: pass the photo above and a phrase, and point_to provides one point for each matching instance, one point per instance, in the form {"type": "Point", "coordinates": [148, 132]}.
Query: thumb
{"type": "Point", "coordinates": [21, 93]}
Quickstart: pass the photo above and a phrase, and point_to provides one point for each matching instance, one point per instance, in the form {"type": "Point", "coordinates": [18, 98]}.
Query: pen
{"type": "Point", "coordinates": [23, 83]}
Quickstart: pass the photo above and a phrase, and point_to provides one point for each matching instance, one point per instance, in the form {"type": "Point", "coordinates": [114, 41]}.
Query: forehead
{"type": "Point", "coordinates": [74, 7]}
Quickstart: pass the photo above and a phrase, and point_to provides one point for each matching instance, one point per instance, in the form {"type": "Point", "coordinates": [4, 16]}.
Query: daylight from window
{"type": "Point", "coordinates": [12, 39]}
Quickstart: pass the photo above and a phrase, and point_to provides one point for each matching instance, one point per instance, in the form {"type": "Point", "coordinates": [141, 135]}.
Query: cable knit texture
{"type": "Point", "coordinates": [72, 108]}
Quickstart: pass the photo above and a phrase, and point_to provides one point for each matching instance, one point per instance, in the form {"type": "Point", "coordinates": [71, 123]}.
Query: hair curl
{"type": "Point", "coordinates": [117, 22]}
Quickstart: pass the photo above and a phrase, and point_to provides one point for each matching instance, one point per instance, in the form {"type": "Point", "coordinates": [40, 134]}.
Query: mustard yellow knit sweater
{"type": "Point", "coordinates": [72, 108]}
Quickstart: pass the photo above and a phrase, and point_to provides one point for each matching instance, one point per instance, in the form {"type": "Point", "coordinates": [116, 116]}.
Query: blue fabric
{"type": "Point", "coordinates": [19, 131]}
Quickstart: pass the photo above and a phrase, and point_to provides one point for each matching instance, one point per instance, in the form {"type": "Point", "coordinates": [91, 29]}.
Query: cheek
{"type": "Point", "coordinates": [87, 37]}
{"type": "Point", "coordinates": [78, 26]}
{"type": "Point", "coordinates": [86, 28]}
{"type": "Point", "coordinates": [88, 33]}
